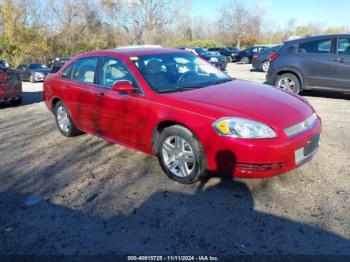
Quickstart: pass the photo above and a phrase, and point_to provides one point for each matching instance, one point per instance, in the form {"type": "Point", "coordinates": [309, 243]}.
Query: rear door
{"type": "Point", "coordinates": [314, 59]}
{"type": "Point", "coordinates": [78, 85]}
{"type": "Point", "coordinates": [341, 64]}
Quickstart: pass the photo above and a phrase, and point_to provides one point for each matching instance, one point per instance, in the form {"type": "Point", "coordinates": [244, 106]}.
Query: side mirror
{"type": "Point", "coordinates": [123, 87]}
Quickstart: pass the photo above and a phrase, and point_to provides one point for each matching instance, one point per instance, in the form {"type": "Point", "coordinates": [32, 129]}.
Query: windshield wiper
{"type": "Point", "coordinates": [221, 81]}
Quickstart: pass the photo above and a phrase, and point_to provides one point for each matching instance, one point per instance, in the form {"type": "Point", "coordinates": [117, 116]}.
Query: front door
{"type": "Point", "coordinates": [119, 116]}
{"type": "Point", "coordinates": [315, 58]}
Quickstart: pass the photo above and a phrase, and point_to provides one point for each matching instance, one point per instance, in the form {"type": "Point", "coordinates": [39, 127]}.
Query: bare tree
{"type": "Point", "coordinates": [238, 24]}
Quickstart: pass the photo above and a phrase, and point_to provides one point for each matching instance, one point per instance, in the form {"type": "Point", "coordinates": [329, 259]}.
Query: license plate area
{"type": "Point", "coordinates": [310, 148]}
{"type": "Point", "coordinates": [311, 145]}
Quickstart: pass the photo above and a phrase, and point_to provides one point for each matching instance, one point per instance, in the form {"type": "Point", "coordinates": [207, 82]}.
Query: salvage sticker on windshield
{"type": "Point", "coordinates": [134, 58]}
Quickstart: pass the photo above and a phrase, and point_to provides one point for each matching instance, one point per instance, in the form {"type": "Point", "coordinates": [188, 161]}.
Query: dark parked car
{"type": "Point", "coordinates": [215, 59]}
{"type": "Point", "coordinates": [261, 60]}
{"type": "Point", "coordinates": [57, 63]}
{"type": "Point", "coordinates": [320, 62]}
{"type": "Point", "coordinates": [10, 85]}
{"type": "Point", "coordinates": [34, 72]}
{"type": "Point", "coordinates": [228, 53]}
{"type": "Point", "coordinates": [246, 56]}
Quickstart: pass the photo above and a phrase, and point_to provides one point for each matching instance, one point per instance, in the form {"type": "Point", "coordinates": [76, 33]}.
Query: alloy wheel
{"type": "Point", "coordinates": [287, 84]}
{"type": "Point", "coordinates": [63, 119]}
{"type": "Point", "coordinates": [178, 156]}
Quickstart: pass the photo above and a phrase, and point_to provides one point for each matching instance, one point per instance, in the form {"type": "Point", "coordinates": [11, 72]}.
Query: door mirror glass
{"type": "Point", "coordinates": [123, 87]}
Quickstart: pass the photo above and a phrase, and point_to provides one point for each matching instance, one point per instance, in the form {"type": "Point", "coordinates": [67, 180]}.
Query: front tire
{"type": "Point", "coordinates": [16, 102]}
{"type": "Point", "coordinates": [180, 155]}
{"type": "Point", "coordinates": [64, 122]}
{"type": "Point", "coordinates": [289, 82]}
{"type": "Point", "coordinates": [244, 60]}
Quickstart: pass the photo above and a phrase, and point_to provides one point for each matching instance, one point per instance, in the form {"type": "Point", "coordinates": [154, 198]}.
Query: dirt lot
{"type": "Point", "coordinates": [84, 195]}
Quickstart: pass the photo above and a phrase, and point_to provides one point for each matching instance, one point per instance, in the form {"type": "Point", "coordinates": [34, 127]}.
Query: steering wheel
{"type": "Point", "coordinates": [186, 76]}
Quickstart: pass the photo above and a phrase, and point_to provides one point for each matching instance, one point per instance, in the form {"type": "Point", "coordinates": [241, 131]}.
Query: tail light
{"type": "Point", "coordinates": [4, 76]}
{"type": "Point", "coordinates": [255, 57]}
{"type": "Point", "coordinates": [273, 57]}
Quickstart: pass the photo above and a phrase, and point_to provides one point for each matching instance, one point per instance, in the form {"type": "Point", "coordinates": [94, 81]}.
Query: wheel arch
{"type": "Point", "coordinates": [158, 129]}
{"type": "Point", "coordinates": [294, 72]}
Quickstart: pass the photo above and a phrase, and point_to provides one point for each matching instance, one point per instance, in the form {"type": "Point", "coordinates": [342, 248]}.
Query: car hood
{"type": "Point", "coordinates": [43, 70]}
{"type": "Point", "coordinates": [263, 103]}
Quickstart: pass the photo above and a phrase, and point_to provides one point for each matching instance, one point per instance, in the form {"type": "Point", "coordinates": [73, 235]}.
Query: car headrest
{"type": "Point", "coordinates": [153, 67]}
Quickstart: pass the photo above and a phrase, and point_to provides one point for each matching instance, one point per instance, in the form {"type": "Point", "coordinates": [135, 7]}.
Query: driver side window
{"type": "Point", "coordinates": [112, 71]}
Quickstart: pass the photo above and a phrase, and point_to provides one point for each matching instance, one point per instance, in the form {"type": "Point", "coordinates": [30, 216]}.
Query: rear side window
{"type": "Point", "coordinates": [343, 46]}
{"type": "Point", "coordinates": [320, 46]}
{"type": "Point", "coordinates": [83, 70]}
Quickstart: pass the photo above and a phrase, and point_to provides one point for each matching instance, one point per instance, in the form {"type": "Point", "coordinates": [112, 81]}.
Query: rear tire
{"type": "Point", "coordinates": [64, 122]}
{"type": "Point", "coordinates": [228, 59]}
{"type": "Point", "coordinates": [265, 66]}
{"type": "Point", "coordinates": [289, 82]}
{"type": "Point", "coordinates": [180, 155]}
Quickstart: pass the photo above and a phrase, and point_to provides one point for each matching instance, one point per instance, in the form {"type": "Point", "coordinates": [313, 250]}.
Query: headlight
{"type": "Point", "coordinates": [243, 128]}
{"type": "Point", "coordinates": [213, 59]}
{"type": "Point", "coordinates": [38, 74]}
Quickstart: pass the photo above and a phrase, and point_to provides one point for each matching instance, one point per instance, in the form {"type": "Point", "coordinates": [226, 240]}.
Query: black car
{"type": "Point", "coordinates": [312, 63]}
{"type": "Point", "coordinates": [213, 58]}
{"type": "Point", "coordinates": [34, 72]}
{"type": "Point", "coordinates": [4, 64]}
{"type": "Point", "coordinates": [228, 53]}
{"type": "Point", "coordinates": [57, 63]}
{"type": "Point", "coordinates": [261, 60]}
{"type": "Point", "coordinates": [246, 56]}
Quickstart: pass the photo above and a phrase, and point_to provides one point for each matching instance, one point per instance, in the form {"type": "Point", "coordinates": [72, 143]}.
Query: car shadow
{"type": "Point", "coordinates": [32, 97]}
{"type": "Point", "coordinates": [334, 95]}
{"type": "Point", "coordinates": [28, 98]}
{"type": "Point", "coordinates": [217, 218]}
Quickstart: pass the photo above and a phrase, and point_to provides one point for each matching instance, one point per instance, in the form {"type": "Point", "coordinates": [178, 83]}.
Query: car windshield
{"type": "Point", "coordinates": [36, 66]}
{"type": "Point", "coordinates": [174, 72]}
{"type": "Point", "coordinates": [201, 51]}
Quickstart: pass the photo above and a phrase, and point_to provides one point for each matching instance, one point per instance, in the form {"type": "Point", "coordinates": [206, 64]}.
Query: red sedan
{"type": "Point", "coordinates": [177, 106]}
{"type": "Point", "coordinates": [10, 86]}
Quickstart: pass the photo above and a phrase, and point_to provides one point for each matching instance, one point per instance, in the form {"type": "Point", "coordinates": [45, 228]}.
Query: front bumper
{"type": "Point", "coordinates": [256, 64]}
{"type": "Point", "coordinates": [243, 158]}
{"type": "Point", "coordinates": [221, 66]}
{"type": "Point", "coordinates": [271, 77]}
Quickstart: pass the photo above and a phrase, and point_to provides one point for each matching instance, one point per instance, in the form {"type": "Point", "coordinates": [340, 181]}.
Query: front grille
{"type": "Point", "coordinates": [301, 127]}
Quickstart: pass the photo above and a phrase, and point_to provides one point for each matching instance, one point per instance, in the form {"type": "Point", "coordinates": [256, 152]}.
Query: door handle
{"type": "Point", "coordinates": [101, 94]}
{"type": "Point", "coordinates": [340, 60]}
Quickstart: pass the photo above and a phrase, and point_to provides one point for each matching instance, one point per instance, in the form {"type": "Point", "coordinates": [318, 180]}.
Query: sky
{"type": "Point", "coordinates": [325, 12]}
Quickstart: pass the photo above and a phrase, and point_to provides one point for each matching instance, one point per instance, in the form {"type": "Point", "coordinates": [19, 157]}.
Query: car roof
{"type": "Point", "coordinates": [306, 38]}
{"type": "Point", "coordinates": [145, 51]}
{"type": "Point", "coordinates": [129, 52]}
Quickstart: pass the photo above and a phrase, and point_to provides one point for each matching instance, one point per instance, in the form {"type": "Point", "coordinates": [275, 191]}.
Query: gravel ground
{"type": "Point", "coordinates": [84, 195]}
